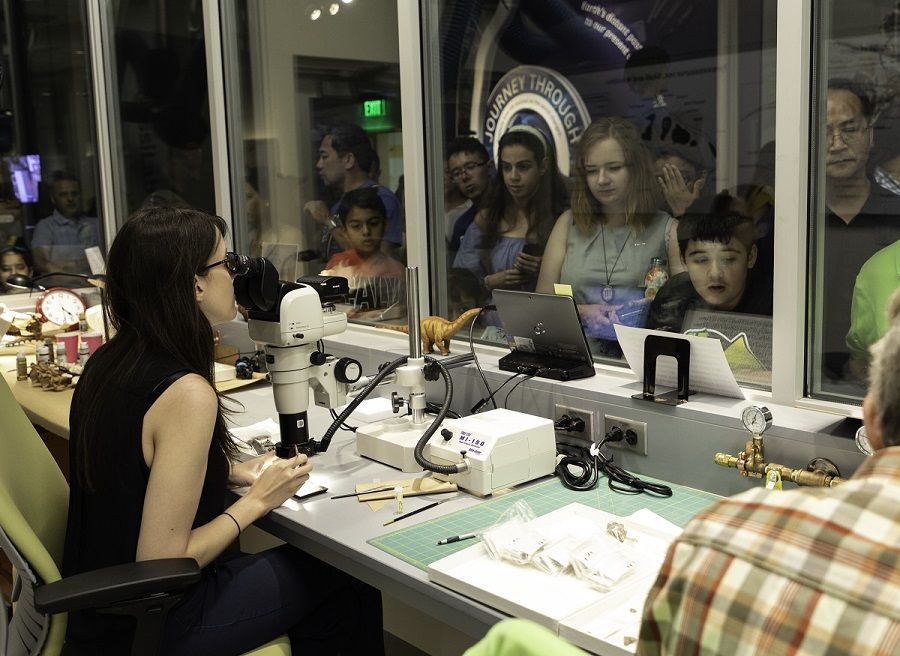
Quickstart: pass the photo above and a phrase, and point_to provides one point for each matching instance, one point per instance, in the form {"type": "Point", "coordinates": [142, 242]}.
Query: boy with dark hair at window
{"type": "Point", "coordinates": [376, 278]}
{"type": "Point", "coordinates": [719, 254]}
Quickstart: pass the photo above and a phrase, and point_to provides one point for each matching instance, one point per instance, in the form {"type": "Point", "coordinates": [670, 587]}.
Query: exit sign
{"type": "Point", "coordinates": [374, 108]}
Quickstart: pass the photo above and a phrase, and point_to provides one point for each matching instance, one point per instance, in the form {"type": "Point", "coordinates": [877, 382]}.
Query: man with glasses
{"type": "Point", "coordinates": [860, 217]}
{"type": "Point", "coordinates": [472, 171]}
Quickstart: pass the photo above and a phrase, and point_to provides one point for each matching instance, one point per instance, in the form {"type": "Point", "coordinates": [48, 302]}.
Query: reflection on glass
{"type": "Point", "coordinates": [48, 174]}
{"type": "Point", "coordinates": [161, 93]}
{"type": "Point", "coordinates": [857, 195]}
{"type": "Point", "coordinates": [376, 279]}
{"type": "Point", "coordinates": [319, 117]}
{"type": "Point", "coordinates": [676, 147]}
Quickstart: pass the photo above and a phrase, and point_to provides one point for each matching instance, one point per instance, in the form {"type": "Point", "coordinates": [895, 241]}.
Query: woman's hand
{"type": "Point", "coordinates": [504, 279]}
{"type": "Point", "coordinates": [278, 482]}
{"type": "Point", "coordinates": [245, 473]}
{"type": "Point", "coordinates": [598, 316]}
{"type": "Point", "coordinates": [530, 265]}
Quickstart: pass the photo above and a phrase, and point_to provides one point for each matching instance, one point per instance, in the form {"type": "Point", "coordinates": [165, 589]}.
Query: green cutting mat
{"type": "Point", "coordinates": [417, 544]}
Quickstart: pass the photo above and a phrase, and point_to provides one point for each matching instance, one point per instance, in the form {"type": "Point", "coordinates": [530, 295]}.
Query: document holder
{"type": "Point", "coordinates": [680, 349]}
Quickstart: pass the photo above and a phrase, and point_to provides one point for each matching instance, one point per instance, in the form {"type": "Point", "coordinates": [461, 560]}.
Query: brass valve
{"type": "Point", "coordinates": [820, 472]}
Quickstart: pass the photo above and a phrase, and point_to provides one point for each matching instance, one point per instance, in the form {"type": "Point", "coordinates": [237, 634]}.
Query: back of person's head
{"type": "Point", "coordinates": [884, 376]}
{"type": "Point", "coordinates": [719, 228]}
{"type": "Point", "coordinates": [858, 88]}
{"type": "Point", "coordinates": [643, 189]}
{"type": "Point", "coordinates": [350, 138]}
{"type": "Point", "coordinates": [152, 304]}
{"type": "Point", "coordinates": [366, 198]}
{"type": "Point", "coordinates": [468, 145]}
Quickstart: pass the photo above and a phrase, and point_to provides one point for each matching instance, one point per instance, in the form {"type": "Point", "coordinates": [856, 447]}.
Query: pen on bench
{"type": "Point", "coordinates": [356, 494]}
{"type": "Point", "coordinates": [412, 512]}
{"type": "Point", "coordinates": [457, 538]}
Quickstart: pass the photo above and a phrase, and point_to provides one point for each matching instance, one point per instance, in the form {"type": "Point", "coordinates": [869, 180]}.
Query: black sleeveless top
{"type": "Point", "coordinates": [104, 525]}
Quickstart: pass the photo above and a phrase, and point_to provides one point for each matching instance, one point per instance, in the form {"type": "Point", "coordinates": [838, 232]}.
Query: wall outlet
{"type": "Point", "coordinates": [635, 434]}
{"type": "Point", "coordinates": [575, 413]}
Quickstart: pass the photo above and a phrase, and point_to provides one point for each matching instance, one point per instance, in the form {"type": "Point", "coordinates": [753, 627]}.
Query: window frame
{"type": "Point", "coordinates": [796, 80]}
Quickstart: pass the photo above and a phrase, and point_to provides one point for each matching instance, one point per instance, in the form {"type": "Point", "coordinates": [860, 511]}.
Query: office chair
{"type": "Point", "coordinates": [34, 499]}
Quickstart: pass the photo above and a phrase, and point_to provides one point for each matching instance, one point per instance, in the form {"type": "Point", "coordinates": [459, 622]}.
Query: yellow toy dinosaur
{"type": "Point", "coordinates": [437, 331]}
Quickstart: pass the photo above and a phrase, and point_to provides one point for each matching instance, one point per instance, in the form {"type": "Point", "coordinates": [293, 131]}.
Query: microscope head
{"type": "Point", "coordinates": [284, 314]}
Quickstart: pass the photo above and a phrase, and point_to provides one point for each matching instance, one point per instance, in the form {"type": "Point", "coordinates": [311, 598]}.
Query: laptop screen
{"type": "Point", "coordinates": [545, 324]}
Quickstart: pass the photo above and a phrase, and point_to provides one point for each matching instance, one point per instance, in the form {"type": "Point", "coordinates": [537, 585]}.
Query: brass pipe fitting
{"type": "Point", "coordinates": [748, 465]}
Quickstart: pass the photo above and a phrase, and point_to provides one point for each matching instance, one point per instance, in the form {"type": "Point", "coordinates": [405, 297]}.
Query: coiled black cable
{"type": "Point", "coordinates": [594, 463]}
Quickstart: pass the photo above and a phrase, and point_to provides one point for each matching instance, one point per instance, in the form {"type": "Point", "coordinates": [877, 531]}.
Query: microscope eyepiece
{"type": "Point", "coordinates": [244, 265]}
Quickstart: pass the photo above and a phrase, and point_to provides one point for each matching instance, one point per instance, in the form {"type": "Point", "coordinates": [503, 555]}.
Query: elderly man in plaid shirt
{"type": "Point", "coordinates": [809, 571]}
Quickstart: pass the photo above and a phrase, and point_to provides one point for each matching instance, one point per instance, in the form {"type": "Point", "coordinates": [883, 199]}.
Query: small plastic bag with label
{"type": "Point", "coordinates": [511, 538]}
{"type": "Point", "coordinates": [603, 561]}
{"type": "Point", "coordinates": [556, 558]}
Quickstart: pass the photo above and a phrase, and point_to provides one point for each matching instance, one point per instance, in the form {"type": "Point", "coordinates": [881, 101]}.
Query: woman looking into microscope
{"type": "Point", "coordinates": [152, 458]}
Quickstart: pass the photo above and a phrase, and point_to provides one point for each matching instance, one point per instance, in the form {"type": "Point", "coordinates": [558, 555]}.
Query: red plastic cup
{"type": "Point", "coordinates": [71, 342]}
{"type": "Point", "coordinates": [93, 341]}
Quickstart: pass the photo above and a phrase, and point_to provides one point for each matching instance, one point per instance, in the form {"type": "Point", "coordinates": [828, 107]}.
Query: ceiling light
{"type": "Point", "coordinates": [334, 8]}
{"type": "Point", "coordinates": [315, 14]}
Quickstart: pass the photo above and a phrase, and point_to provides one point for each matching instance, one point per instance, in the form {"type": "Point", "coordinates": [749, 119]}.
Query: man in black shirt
{"type": "Point", "coordinates": [860, 218]}
{"type": "Point", "coordinates": [719, 254]}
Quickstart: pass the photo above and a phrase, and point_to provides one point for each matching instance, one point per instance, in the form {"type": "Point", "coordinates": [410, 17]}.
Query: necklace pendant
{"type": "Point", "coordinates": [607, 293]}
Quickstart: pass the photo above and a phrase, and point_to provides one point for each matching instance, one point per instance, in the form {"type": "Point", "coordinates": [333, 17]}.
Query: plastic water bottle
{"type": "Point", "coordinates": [656, 277]}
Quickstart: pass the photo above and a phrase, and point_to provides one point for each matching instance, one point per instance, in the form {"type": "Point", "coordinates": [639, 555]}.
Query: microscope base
{"type": "Point", "coordinates": [391, 442]}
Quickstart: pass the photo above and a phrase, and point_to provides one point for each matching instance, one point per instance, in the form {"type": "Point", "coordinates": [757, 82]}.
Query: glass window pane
{"type": "Point", "coordinates": [584, 141]}
{"type": "Point", "coordinates": [160, 94]}
{"type": "Point", "coordinates": [49, 173]}
{"type": "Point", "coordinates": [316, 107]}
{"type": "Point", "coordinates": [856, 196]}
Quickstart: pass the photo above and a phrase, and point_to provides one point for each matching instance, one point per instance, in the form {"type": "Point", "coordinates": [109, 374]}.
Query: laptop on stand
{"type": "Point", "coordinates": [545, 335]}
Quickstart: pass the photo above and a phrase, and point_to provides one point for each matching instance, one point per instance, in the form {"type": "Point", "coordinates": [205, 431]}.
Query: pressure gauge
{"type": "Point", "coordinates": [862, 441]}
{"type": "Point", "coordinates": [756, 418]}
{"type": "Point", "coordinates": [60, 306]}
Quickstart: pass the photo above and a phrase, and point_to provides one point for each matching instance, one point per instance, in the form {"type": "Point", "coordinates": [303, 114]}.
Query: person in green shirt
{"type": "Point", "coordinates": [876, 281]}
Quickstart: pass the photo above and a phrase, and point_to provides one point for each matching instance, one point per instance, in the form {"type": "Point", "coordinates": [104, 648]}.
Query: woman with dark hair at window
{"type": "Point", "coordinates": [152, 458]}
{"type": "Point", "coordinates": [504, 244]}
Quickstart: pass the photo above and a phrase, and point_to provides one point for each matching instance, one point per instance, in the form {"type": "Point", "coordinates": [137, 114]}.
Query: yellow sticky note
{"type": "Point", "coordinates": [562, 290]}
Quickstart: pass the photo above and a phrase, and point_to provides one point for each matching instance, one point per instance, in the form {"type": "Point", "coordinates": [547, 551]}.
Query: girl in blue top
{"type": "Point", "coordinates": [519, 211]}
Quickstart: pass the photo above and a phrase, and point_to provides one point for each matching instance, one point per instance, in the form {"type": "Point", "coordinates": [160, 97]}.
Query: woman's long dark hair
{"type": "Point", "coordinates": [549, 201]}
{"type": "Point", "coordinates": [152, 306]}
